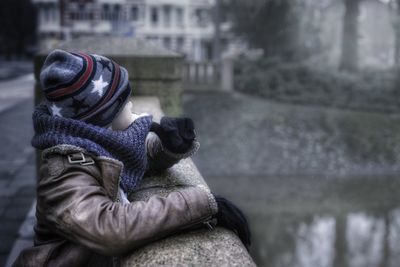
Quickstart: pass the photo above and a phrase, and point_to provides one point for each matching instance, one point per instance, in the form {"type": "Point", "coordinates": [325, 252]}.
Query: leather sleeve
{"type": "Point", "coordinates": [159, 158]}
{"type": "Point", "coordinates": [76, 206]}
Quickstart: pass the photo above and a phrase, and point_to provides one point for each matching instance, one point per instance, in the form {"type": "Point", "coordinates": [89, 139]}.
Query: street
{"type": "Point", "coordinates": [17, 161]}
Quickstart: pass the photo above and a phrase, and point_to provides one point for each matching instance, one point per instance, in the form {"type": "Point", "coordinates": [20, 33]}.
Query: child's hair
{"type": "Point", "coordinates": [85, 87]}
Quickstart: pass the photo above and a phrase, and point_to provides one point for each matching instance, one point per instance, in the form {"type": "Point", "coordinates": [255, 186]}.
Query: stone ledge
{"type": "Point", "coordinates": [116, 46]}
{"type": "Point", "coordinates": [143, 60]}
{"type": "Point", "coordinates": [218, 247]}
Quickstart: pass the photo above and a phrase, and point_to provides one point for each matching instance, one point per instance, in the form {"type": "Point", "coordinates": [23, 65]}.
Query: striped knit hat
{"type": "Point", "coordinates": [85, 87]}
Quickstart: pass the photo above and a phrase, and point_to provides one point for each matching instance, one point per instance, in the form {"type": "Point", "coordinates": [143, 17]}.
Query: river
{"type": "Point", "coordinates": [319, 186]}
{"type": "Point", "coordinates": [313, 222]}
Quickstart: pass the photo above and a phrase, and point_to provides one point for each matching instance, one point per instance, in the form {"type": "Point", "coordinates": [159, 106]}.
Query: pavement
{"type": "Point", "coordinates": [17, 162]}
{"type": "Point", "coordinates": [12, 69]}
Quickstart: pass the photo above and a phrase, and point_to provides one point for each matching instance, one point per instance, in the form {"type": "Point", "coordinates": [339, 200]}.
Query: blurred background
{"type": "Point", "coordinates": [296, 102]}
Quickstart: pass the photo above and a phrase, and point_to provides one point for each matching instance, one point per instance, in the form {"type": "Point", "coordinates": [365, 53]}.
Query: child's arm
{"type": "Point", "coordinates": [169, 142]}
{"type": "Point", "coordinates": [75, 205]}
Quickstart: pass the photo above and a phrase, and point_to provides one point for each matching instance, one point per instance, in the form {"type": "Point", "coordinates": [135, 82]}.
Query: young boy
{"type": "Point", "coordinates": [95, 152]}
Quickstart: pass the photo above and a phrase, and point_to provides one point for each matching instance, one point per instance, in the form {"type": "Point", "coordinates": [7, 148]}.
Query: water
{"type": "Point", "coordinates": [310, 179]}
{"type": "Point", "coordinates": [320, 222]}
{"type": "Point", "coordinates": [354, 239]}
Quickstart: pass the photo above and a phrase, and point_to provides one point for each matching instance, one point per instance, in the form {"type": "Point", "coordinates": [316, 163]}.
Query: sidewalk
{"type": "Point", "coordinates": [17, 160]}
{"type": "Point", "coordinates": [14, 69]}
{"type": "Point", "coordinates": [15, 90]}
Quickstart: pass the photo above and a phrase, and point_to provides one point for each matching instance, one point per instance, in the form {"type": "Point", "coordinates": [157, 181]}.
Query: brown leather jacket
{"type": "Point", "coordinates": [80, 220]}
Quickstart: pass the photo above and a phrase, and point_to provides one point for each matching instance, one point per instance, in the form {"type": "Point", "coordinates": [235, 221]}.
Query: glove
{"type": "Point", "coordinates": [232, 218]}
{"type": "Point", "coordinates": [176, 134]}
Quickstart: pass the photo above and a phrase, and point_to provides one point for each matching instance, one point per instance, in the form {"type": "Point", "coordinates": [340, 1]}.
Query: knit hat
{"type": "Point", "coordinates": [85, 87]}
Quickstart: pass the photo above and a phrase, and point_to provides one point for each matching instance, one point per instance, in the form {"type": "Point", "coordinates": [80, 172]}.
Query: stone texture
{"type": "Point", "coordinates": [152, 70]}
{"type": "Point", "coordinates": [219, 247]}
{"type": "Point", "coordinates": [184, 173]}
{"type": "Point", "coordinates": [169, 93]}
{"type": "Point", "coordinates": [117, 46]}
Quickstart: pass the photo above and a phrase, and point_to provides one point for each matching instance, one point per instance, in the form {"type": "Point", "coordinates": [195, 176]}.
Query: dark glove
{"type": "Point", "coordinates": [231, 217]}
{"type": "Point", "coordinates": [176, 134]}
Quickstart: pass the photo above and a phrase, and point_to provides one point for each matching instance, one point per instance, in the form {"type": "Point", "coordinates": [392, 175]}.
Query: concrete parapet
{"type": "Point", "coordinates": [219, 247]}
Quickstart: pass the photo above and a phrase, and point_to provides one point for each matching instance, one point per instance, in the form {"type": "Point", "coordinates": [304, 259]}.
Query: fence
{"type": "Point", "coordinates": [208, 75]}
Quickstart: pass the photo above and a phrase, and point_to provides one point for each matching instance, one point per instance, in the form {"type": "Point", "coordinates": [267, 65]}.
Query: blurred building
{"type": "Point", "coordinates": [185, 26]}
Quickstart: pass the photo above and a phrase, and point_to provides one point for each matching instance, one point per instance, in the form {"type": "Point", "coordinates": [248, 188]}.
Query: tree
{"type": "Point", "coordinates": [394, 5]}
{"type": "Point", "coordinates": [268, 24]}
{"type": "Point", "coordinates": [349, 58]}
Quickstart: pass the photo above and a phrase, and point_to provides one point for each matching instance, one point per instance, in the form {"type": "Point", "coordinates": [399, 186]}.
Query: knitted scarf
{"type": "Point", "coordinates": [127, 146]}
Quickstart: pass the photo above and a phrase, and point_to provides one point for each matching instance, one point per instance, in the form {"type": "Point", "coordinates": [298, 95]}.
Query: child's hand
{"type": "Point", "coordinates": [231, 217]}
{"type": "Point", "coordinates": [176, 134]}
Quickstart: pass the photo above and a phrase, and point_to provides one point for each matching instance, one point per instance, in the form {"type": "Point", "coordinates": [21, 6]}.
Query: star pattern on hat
{"type": "Point", "coordinates": [105, 64]}
{"type": "Point", "coordinates": [99, 86]}
{"type": "Point", "coordinates": [56, 111]}
{"type": "Point", "coordinates": [78, 104]}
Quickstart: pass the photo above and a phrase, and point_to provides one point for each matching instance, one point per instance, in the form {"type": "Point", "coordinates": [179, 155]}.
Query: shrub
{"type": "Point", "coordinates": [302, 83]}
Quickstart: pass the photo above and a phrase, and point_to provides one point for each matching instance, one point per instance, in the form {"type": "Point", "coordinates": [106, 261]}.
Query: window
{"type": "Point", "coordinates": [105, 13]}
{"type": "Point", "coordinates": [53, 12]}
{"type": "Point", "coordinates": [167, 16]}
{"type": "Point", "coordinates": [154, 15]}
{"type": "Point", "coordinates": [135, 13]}
{"type": "Point", "coordinates": [142, 12]}
{"type": "Point", "coordinates": [81, 12]}
{"type": "Point", "coordinates": [201, 17]}
{"type": "Point", "coordinates": [116, 13]}
{"type": "Point", "coordinates": [179, 17]}
{"type": "Point", "coordinates": [152, 39]}
{"type": "Point", "coordinates": [208, 50]}
{"type": "Point", "coordinates": [46, 11]}
{"type": "Point", "coordinates": [179, 44]}
{"type": "Point", "coordinates": [167, 42]}
{"type": "Point", "coordinates": [110, 12]}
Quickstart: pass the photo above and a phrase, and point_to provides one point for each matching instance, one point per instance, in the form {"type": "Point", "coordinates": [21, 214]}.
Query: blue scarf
{"type": "Point", "coordinates": [127, 146]}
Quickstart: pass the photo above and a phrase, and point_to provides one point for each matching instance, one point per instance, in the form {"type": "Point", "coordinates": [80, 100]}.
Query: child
{"type": "Point", "coordinates": [95, 152]}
